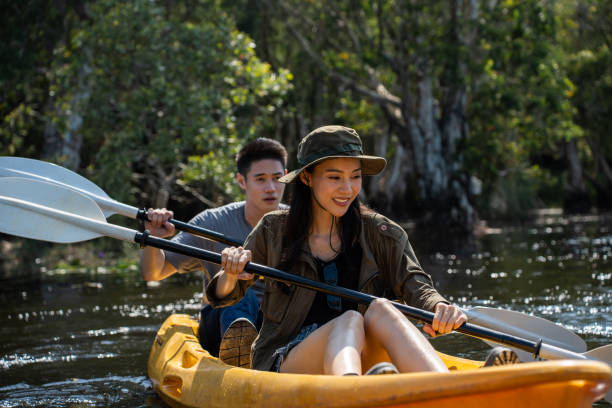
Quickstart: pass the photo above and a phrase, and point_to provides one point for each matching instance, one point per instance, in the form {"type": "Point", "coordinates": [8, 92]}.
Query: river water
{"type": "Point", "coordinates": [80, 337]}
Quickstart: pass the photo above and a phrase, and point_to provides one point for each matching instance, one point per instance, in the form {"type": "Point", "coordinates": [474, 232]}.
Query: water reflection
{"type": "Point", "coordinates": [81, 337]}
{"type": "Point", "coordinates": [109, 391]}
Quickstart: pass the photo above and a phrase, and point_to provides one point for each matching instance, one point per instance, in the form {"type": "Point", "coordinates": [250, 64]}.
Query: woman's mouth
{"type": "Point", "coordinates": [343, 202]}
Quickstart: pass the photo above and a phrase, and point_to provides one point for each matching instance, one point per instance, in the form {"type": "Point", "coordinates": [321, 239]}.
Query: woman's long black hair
{"type": "Point", "coordinates": [300, 219]}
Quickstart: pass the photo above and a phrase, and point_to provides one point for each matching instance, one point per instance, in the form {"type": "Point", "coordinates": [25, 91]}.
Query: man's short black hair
{"type": "Point", "coordinates": [260, 149]}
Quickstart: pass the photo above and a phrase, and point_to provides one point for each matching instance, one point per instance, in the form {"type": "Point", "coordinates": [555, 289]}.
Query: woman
{"type": "Point", "coordinates": [328, 235]}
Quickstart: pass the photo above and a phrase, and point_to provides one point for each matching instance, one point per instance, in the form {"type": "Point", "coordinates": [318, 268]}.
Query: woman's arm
{"type": "Point", "coordinates": [230, 284]}
{"type": "Point", "coordinates": [233, 261]}
{"type": "Point", "coordinates": [411, 283]}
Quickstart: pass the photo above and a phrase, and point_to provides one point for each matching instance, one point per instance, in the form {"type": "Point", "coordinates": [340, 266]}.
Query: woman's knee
{"type": "Point", "coordinates": [350, 318]}
{"type": "Point", "coordinates": [348, 328]}
{"type": "Point", "coordinates": [379, 310]}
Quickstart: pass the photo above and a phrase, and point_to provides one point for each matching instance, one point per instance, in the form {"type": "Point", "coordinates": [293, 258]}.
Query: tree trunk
{"type": "Point", "coordinates": [575, 198]}
{"type": "Point", "coordinates": [602, 177]}
{"type": "Point", "coordinates": [66, 148]}
{"type": "Point", "coordinates": [432, 130]}
{"type": "Point", "coordinates": [160, 183]}
{"type": "Point", "coordinates": [387, 191]}
{"type": "Point", "coordinates": [443, 187]}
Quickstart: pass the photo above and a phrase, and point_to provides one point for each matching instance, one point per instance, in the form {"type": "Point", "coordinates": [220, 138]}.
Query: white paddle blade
{"type": "Point", "coordinates": [604, 354]}
{"type": "Point", "coordinates": [17, 219]}
{"type": "Point", "coordinates": [525, 326]}
{"type": "Point", "coordinates": [51, 173]}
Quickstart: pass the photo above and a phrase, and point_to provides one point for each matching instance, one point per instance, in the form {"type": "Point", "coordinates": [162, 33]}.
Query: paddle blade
{"type": "Point", "coordinates": [50, 173]}
{"type": "Point", "coordinates": [22, 222]}
{"type": "Point", "coordinates": [604, 354]}
{"type": "Point", "coordinates": [529, 327]}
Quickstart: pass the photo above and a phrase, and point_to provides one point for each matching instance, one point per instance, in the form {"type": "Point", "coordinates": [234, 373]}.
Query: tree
{"type": "Point", "coordinates": [589, 63]}
{"type": "Point", "coordinates": [395, 55]}
{"type": "Point", "coordinates": [465, 92]}
{"type": "Point", "coordinates": [30, 31]}
{"type": "Point", "coordinates": [165, 92]}
{"type": "Point", "coordinates": [520, 108]}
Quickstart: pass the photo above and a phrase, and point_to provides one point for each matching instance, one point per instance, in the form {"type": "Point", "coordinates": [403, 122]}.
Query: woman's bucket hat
{"type": "Point", "coordinates": [333, 142]}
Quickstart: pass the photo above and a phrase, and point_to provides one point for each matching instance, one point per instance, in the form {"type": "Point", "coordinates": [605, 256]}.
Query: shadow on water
{"type": "Point", "coordinates": [80, 337]}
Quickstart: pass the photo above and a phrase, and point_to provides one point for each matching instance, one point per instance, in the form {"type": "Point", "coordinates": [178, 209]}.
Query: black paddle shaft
{"type": "Point", "coordinates": [278, 275]}
{"type": "Point", "coordinates": [195, 230]}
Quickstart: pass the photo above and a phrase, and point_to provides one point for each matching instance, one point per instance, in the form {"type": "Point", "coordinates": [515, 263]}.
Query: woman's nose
{"type": "Point", "coordinates": [345, 185]}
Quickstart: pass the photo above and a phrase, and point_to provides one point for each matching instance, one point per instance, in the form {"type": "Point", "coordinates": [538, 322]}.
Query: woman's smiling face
{"type": "Point", "coordinates": [335, 184]}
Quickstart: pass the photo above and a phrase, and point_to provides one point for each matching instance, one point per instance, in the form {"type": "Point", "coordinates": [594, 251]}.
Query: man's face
{"type": "Point", "coordinates": [261, 185]}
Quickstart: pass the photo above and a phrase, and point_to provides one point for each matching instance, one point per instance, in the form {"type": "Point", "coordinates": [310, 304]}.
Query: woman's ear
{"type": "Point", "coordinates": [304, 178]}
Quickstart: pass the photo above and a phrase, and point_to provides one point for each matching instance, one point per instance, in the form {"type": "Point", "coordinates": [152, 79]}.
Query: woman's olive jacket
{"type": "Point", "coordinates": [389, 269]}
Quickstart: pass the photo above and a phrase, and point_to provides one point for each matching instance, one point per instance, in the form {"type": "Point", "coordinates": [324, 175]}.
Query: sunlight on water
{"type": "Point", "coordinates": [75, 392]}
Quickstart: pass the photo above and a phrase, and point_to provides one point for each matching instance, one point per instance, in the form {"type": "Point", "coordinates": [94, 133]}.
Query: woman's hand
{"type": "Point", "coordinates": [446, 319]}
{"type": "Point", "coordinates": [233, 261]}
{"type": "Point", "coordinates": [158, 224]}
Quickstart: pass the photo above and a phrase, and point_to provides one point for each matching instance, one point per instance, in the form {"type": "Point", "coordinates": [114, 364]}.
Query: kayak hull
{"type": "Point", "coordinates": [185, 375]}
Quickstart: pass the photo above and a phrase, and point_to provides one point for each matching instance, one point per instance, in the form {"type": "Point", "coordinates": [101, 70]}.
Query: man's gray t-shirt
{"type": "Point", "coordinates": [228, 220]}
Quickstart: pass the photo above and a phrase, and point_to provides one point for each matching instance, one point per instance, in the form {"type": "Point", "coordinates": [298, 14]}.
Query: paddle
{"type": "Point", "coordinates": [51, 173]}
{"type": "Point", "coordinates": [31, 209]}
{"type": "Point", "coordinates": [530, 327]}
{"type": "Point", "coordinates": [518, 324]}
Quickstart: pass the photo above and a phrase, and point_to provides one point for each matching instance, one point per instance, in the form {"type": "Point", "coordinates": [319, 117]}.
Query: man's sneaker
{"type": "Point", "coordinates": [382, 368]}
{"type": "Point", "coordinates": [499, 356]}
{"type": "Point", "coordinates": [235, 347]}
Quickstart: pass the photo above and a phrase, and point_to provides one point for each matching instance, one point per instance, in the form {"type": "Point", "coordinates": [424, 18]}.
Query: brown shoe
{"type": "Point", "coordinates": [235, 347]}
{"type": "Point", "coordinates": [499, 356]}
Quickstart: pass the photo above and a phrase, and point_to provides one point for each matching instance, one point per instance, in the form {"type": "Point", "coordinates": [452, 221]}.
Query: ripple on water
{"type": "Point", "coordinates": [106, 391]}
{"type": "Point", "coordinates": [54, 351]}
{"type": "Point", "coordinates": [20, 360]}
{"type": "Point", "coordinates": [124, 310]}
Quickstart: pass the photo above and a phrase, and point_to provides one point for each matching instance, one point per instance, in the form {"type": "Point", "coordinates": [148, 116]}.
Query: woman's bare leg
{"type": "Point", "coordinates": [408, 349]}
{"type": "Point", "coordinates": [373, 352]}
{"type": "Point", "coordinates": [334, 348]}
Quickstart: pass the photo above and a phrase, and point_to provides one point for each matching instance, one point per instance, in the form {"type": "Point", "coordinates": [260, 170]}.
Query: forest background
{"type": "Point", "coordinates": [484, 109]}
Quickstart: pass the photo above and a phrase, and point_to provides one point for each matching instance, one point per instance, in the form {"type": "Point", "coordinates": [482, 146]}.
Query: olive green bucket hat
{"type": "Point", "coordinates": [333, 142]}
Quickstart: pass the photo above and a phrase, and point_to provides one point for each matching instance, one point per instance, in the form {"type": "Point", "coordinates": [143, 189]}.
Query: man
{"type": "Point", "coordinates": [260, 164]}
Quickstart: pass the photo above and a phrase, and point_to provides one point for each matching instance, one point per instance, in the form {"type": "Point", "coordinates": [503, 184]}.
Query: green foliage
{"type": "Point", "coordinates": [161, 88]}
{"type": "Point", "coordinates": [29, 31]}
{"type": "Point", "coordinates": [168, 91]}
{"type": "Point", "coordinates": [519, 94]}
{"type": "Point", "coordinates": [520, 104]}
{"type": "Point", "coordinates": [588, 28]}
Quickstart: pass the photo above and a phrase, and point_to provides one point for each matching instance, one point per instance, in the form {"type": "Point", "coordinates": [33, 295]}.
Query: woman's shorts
{"type": "Point", "coordinates": [281, 353]}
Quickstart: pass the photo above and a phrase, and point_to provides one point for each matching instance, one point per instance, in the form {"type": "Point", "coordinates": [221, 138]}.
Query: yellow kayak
{"type": "Point", "coordinates": [185, 375]}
